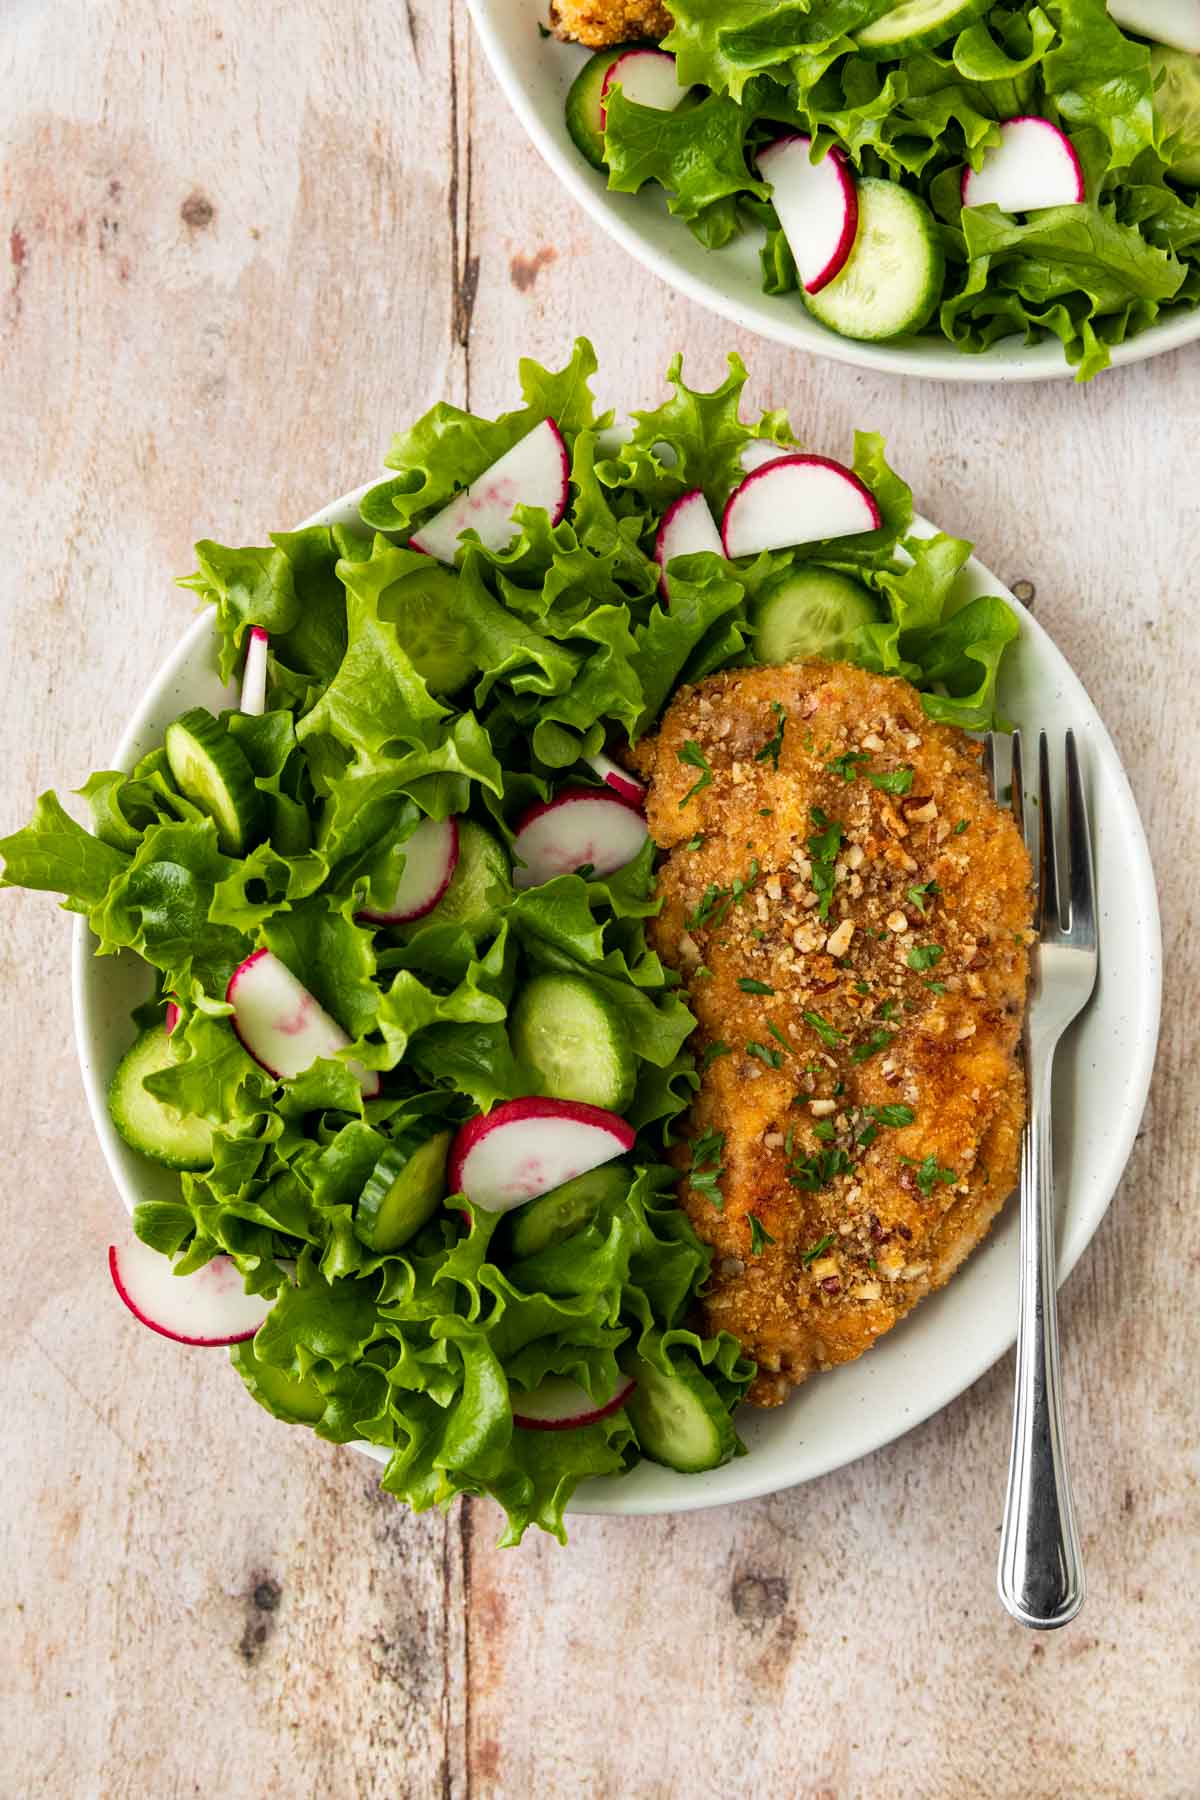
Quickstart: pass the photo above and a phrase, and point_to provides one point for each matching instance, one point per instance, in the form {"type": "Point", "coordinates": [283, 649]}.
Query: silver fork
{"type": "Point", "coordinates": [1040, 1573]}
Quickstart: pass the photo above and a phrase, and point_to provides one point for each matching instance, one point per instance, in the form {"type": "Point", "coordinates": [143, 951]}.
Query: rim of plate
{"type": "Point", "coordinates": [635, 221]}
{"type": "Point", "coordinates": [661, 1490]}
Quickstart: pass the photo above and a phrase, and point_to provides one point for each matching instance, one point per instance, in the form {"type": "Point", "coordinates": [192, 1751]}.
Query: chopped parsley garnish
{"type": "Point", "coordinates": [891, 1115]}
{"type": "Point", "coordinates": [774, 745]}
{"type": "Point", "coordinates": [695, 758]}
{"type": "Point", "coordinates": [587, 870]}
{"type": "Point", "coordinates": [714, 904]}
{"type": "Point", "coordinates": [812, 1254]}
{"type": "Point", "coordinates": [861, 987]}
{"type": "Point", "coordinates": [826, 1131]}
{"type": "Point", "coordinates": [780, 1039]}
{"type": "Point", "coordinates": [887, 1009]}
{"type": "Point", "coordinates": [711, 1052]}
{"type": "Point", "coordinates": [818, 1170]}
{"type": "Point", "coordinates": [749, 985]}
{"type": "Point", "coordinates": [919, 895]}
{"type": "Point", "coordinates": [694, 843]}
{"type": "Point", "coordinates": [823, 849]}
{"type": "Point", "coordinates": [960, 827]}
{"type": "Point", "coordinates": [847, 766]}
{"type": "Point", "coordinates": [765, 1054]}
{"type": "Point", "coordinates": [878, 1040]}
{"type": "Point", "coordinates": [896, 781]}
{"type": "Point", "coordinates": [924, 956]}
{"type": "Point", "coordinates": [759, 1235]}
{"type": "Point", "coordinates": [707, 1167]}
{"type": "Point", "coordinates": [828, 1034]}
{"type": "Point", "coordinates": [741, 888]}
{"type": "Point", "coordinates": [928, 1172]}
{"type": "Point", "coordinates": [868, 1134]}
{"type": "Point", "coordinates": [936, 987]}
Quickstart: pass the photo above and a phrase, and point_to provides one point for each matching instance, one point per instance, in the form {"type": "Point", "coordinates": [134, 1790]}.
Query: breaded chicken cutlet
{"type": "Point", "coordinates": [850, 910]}
{"type": "Point", "coordinates": [598, 23]}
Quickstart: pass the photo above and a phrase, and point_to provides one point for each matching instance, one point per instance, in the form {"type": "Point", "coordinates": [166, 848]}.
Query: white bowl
{"type": "Point", "coordinates": [535, 74]}
{"type": "Point", "coordinates": [1103, 1075]}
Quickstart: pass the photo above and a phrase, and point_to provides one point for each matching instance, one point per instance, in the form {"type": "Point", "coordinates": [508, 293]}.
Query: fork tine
{"type": "Point", "coordinates": [1032, 841]}
{"type": "Point", "coordinates": [989, 762]}
{"type": "Point", "coordinates": [1047, 843]}
{"type": "Point", "coordinates": [1079, 838]}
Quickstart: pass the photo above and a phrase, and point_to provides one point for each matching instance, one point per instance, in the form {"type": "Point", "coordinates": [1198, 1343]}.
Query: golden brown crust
{"type": "Point", "coordinates": [903, 1208]}
{"type": "Point", "coordinates": [599, 23]}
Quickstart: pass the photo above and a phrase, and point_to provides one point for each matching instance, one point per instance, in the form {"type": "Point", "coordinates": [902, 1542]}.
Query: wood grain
{"type": "Point", "coordinates": [240, 245]}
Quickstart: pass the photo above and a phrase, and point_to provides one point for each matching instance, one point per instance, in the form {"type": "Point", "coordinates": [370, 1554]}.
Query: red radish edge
{"type": "Point", "coordinates": [662, 553]}
{"type": "Point", "coordinates": [511, 1112]}
{"type": "Point", "coordinates": [1065, 147]}
{"type": "Point", "coordinates": [399, 918]}
{"type": "Point", "coordinates": [253, 697]}
{"type": "Point", "coordinates": [781, 462]}
{"type": "Point", "coordinates": [625, 1386]}
{"type": "Point", "coordinates": [842, 167]}
{"type": "Point", "coordinates": [625, 786]}
{"type": "Point", "coordinates": [176, 1337]}
{"type": "Point", "coordinates": [368, 1079]}
{"type": "Point", "coordinates": [568, 797]}
{"type": "Point", "coordinates": [612, 79]}
{"type": "Point", "coordinates": [555, 513]}
{"type": "Point", "coordinates": [173, 1016]}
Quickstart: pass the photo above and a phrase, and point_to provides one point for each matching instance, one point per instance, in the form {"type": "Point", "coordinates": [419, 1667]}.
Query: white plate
{"type": "Point", "coordinates": [1103, 1075]}
{"type": "Point", "coordinates": [535, 74]}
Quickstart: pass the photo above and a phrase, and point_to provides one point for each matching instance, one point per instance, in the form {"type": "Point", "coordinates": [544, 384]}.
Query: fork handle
{"type": "Point", "coordinates": [1040, 1573]}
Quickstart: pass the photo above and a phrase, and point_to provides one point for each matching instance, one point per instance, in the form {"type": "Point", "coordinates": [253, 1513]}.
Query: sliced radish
{"type": "Point", "coordinates": [282, 1025]}
{"type": "Point", "coordinates": [254, 673]}
{"type": "Point", "coordinates": [173, 1016]}
{"type": "Point", "coordinates": [1034, 165]}
{"type": "Point", "coordinates": [1174, 22]}
{"type": "Point", "coordinates": [560, 1404]}
{"type": "Point", "coordinates": [687, 527]}
{"type": "Point", "coordinates": [524, 1148]}
{"type": "Point", "coordinates": [209, 1307]}
{"type": "Point", "coordinates": [761, 451]}
{"type": "Point", "coordinates": [817, 206]}
{"type": "Point", "coordinates": [579, 829]}
{"type": "Point", "coordinates": [797, 499]}
{"type": "Point", "coordinates": [535, 472]}
{"type": "Point", "coordinates": [430, 859]}
{"type": "Point", "coordinates": [646, 77]}
{"type": "Point", "coordinates": [625, 786]}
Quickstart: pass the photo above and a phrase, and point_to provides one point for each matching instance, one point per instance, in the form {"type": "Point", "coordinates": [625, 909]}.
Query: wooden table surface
{"type": "Point", "coordinates": [241, 245]}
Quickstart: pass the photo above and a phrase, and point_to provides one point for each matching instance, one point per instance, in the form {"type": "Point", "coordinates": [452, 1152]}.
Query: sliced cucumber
{"type": "Point", "coordinates": [810, 612]}
{"type": "Point", "coordinates": [424, 608]}
{"type": "Point", "coordinates": [584, 110]}
{"type": "Point", "coordinates": [554, 1217]}
{"type": "Point", "coordinates": [680, 1419]}
{"type": "Point", "coordinates": [403, 1191]}
{"type": "Point", "coordinates": [575, 1041]}
{"type": "Point", "coordinates": [480, 875]}
{"type": "Point", "coordinates": [298, 1400]}
{"type": "Point", "coordinates": [180, 1140]}
{"type": "Point", "coordinates": [212, 771]}
{"type": "Point", "coordinates": [892, 279]}
{"type": "Point", "coordinates": [916, 25]}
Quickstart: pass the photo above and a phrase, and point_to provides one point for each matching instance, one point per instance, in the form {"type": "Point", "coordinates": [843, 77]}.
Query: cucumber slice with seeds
{"type": "Point", "coordinates": [892, 280]}
{"type": "Point", "coordinates": [180, 1140]}
{"type": "Point", "coordinates": [211, 770]}
{"type": "Point", "coordinates": [575, 1041]}
{"type": "Point", "coordinates": [403, 1191]}
{"type": "Point", "coordinates": [423, 606]}
{"type": "Point", "coordinates": [554, 1217]}
{"type": "Point", "coordinates": [583, 107]}
{"type": "Point", "coordinates": [810, 612]}
{"type": "Point", "coordinates": [916, 25]}
{"type": "Point", "coordinates": [680, 1419]}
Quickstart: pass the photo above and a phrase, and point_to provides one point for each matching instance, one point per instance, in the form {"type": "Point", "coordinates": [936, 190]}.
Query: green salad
{"type": "Point", "coordinates": [407, 1060]}
{"type": "Point", "coordinates": [1005, 169]}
